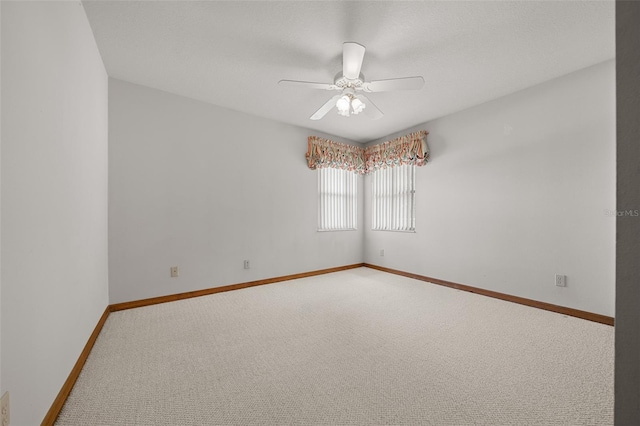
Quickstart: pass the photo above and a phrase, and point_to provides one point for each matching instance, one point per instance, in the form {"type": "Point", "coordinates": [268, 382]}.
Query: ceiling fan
{"type": "Point", "coordinates": [350, 82]}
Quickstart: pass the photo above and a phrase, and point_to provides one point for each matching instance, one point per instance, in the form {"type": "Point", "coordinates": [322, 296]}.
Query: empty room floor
{"type": "Point", "coordinates": [358, 347]}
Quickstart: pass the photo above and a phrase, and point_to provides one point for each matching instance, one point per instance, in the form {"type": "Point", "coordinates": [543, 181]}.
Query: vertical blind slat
{"type": "Point", "coordinates": [393, 198]}
{"type": "Point", "coordinates": [337, 199]}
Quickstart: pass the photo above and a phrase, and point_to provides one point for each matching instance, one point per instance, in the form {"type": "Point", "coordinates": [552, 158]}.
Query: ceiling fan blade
{"type": "Point", "coordinates": [352, 56]}
{"type": "Point", "coordinates": [407, 83]}
{"type": "Point", "coordinates": [370, 110]}
{"type": "Point", "coordinates": [324, 109]}
{"type": "Point", "coordinates": [308, 84]}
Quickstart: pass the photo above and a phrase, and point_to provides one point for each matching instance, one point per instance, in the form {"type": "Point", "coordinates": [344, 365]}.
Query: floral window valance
{"type": "Point", "coordinates": [408, 149]}
{"type": "Point", "coordinates": [327, 153]}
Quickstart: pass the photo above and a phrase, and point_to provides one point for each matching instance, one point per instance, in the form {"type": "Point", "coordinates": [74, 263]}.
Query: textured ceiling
{"type": "Point", "coordinates": [234, 53]}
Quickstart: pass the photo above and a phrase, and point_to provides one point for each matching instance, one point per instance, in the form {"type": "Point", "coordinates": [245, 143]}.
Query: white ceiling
{"type": "Point", "coordinates": [234, 53]}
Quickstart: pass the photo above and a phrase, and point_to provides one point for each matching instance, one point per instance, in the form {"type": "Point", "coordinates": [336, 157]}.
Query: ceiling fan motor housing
{"type": "Point", "coordinates": [342, 82]}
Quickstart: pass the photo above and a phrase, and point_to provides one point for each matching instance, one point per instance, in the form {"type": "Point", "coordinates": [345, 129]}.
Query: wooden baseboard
{"type": "Point", "coordinates": [197, 293]}
{"type": "Point", "coordinates": [603, 319]}
{"type": "Point", "coordinates": [58, 403]}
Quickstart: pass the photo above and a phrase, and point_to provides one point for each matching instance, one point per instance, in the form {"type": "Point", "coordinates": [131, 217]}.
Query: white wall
{"type": "Point", "coordinates": [516, 192]}
{"type": "Point", "coordinates": [203, 188]}
{"type": "Point", "coordinates": [54, 198]}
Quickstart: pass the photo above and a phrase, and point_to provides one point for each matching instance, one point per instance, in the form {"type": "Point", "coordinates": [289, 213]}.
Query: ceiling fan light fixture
{"type": "Point", "coordinates": [357, 106]}
{"type": "Point", "coordinates": [343, 105]}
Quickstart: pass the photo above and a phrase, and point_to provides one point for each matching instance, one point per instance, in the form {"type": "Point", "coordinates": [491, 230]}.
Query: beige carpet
{"type": "Point", "coordinates": [358, 347]}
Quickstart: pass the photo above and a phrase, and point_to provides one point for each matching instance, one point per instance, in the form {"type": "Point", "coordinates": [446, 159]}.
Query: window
{"type": "Point", "coordinates": [338, 199]}
{"type": "Point", "coordinates": [393, 199]}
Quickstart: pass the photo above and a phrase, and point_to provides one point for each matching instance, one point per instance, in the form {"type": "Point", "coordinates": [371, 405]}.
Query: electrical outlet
{"type": "Point", "coordinates": [561, 280]}
{"type": "Point", "coordinates": [381, 252]}
{"type": "Point", "coordinates": [174, 272]}
{"type": "Point", "coordinates": [246, 264]}
{"type": "Point", "coordinates": [5, 414]}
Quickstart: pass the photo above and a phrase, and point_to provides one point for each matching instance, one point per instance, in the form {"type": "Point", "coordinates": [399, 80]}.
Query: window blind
{"type": "Point", "coordinates": [338, 199]}
{"type": "Point", "coordinates": [393, 199]}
